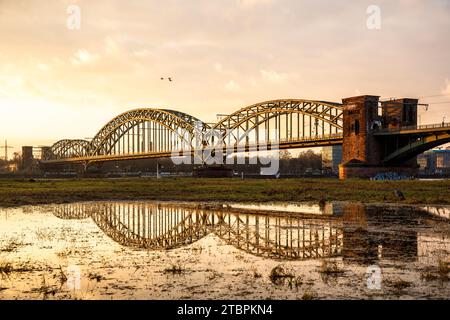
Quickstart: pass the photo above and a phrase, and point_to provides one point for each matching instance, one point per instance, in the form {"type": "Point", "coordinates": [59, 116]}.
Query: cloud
{"type": "Point", "coordinates": [218, 67]}
{"type": "Point", "coordinates": [446, 90]}
{"type": "Point", "coordinates": [222, 53]}
{"type": "Point", "coordinates": [111, 46]}
{"type": "Point", "coordinates": [232, 86]}
{"type": "Point", "coordinates": [42, 66]}
{"type": "Point", "coordinates": [252, 3]}
{"type": "Point", "coordinates": [83, 56]}
{"type": "Point", "coordinates": [141, 53]}
{"type": "Point", "coordinates": [273, 76]}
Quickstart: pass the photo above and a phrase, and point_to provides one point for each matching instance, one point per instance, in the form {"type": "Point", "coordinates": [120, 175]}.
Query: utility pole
{"type": "Point", "coordinates": [6, 147]}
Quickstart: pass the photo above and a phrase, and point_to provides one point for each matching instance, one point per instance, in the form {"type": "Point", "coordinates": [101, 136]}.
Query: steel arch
{"type": "Point", "coordinates": [320, 110]}
{"type": "Point", "coordinates": [117, 127]}
{"type": "Point", "coordinates": [68, 148]}
{"type": "Point", "coordinates": [240, 123]}
{"type": "Point", "coordinates": [181, 128]}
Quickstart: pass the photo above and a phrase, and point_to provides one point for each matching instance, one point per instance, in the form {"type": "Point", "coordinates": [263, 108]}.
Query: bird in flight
{"type": "Point", "coordinates": [169, 78]}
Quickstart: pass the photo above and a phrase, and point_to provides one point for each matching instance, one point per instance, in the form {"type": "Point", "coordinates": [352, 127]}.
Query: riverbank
{"type": "Point", "coordinates": [33, 192]}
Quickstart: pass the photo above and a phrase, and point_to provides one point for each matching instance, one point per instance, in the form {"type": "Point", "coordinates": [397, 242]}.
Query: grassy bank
{"type": "Point", "coordinates": [24, 192]}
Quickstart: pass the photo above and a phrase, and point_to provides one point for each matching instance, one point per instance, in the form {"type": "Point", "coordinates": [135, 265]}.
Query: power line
{"type": "Point", "coordinates": [6, 147]}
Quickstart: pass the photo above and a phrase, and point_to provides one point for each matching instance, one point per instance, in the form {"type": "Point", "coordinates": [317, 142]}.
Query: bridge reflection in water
{"type": "Point", "coordinates": [167, 226]}
{"type": "Point", "coordinates": [357, 233]}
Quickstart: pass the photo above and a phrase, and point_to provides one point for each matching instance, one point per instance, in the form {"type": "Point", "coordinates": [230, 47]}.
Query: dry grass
{"type": "Point", "coordinates": [309, 295]}
{"type": "Point", "coordinates": [439, 273]}
{"type": "Point", "coordinates": [174, 269]}
{"type": "Point", "coordinates": [95, 276]}
{"type": "Point", "coordinates": [45, 289]}
{"type": "Point", "coordinates": [443, 268]}
{"type": "Point", "coordinates": [6, 268]}
{"type": "Point", "coordinates": [61, 276]}
{"type": "Point", "coordinates": [22, 192]}
{"type": "Point", "coordinates": [281, 276]}
{"type": "Point", "coordinates": [44, 234]}
{"type": "Point", "coordinates": [399, 284]}
{"type": "Point", "coordinates": [330, 268]}
{"type": "Point", "coordinates": [12, 245]}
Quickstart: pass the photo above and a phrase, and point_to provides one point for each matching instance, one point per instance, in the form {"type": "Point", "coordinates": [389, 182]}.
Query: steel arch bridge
{"type": "Point", "coordinates": [271, 125]}
{"type": "Point", "coordinates": [165, 226]}
{"type": "Point", "coordinates": [153, 133]}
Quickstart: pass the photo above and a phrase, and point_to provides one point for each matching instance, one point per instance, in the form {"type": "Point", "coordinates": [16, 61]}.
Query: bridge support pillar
{"type": "Point", "coordinates": [362, 151]}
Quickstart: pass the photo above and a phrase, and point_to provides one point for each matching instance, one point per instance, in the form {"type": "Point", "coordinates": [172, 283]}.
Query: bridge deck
{"type": "Point", "coordinates": [309, 142]}
{"type": "Point", "coordinates": [429, 128]}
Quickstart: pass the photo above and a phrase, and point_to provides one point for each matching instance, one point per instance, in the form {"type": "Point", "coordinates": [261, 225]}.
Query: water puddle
{"type": "Point", "coordinates": [164, 250]}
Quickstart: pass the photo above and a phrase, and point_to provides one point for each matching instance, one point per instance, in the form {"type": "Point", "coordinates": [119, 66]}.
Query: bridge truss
{"type": "Point", "coordinates": [151, 133]}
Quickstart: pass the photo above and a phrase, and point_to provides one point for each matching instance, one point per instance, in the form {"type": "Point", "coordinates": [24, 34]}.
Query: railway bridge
{"type": "Point", "coordinates": [375, 136]}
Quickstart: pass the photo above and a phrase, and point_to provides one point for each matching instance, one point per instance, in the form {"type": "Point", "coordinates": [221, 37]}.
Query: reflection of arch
{"type": "Point", "coordinates": [166, 226]}
{"type": "Point", "coordinates": [68, 149]}
{"type": "Point", "coordinates": [146, 226]}
{"type": "Point", "coordinates": [71, 211]}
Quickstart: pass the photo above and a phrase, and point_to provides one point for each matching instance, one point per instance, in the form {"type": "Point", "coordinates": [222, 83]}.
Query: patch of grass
{"type": "Point", "coordinates": [330, 268]}
{"type": "Point", "coordinates": [64, 253]}
{"type": "Point", "coordinates": [22, 192]}
{"type": "Point", "coordinates": [213, 274]}
{"type": "Point", "coordinates": [95, 276]}
{"type": "Point", "coordinates": [61, 276]}
{"type": "Point", "coordinates": [174, 269]}
{"type": "Point", "coordinates": [6, 268]}
{"type": "Point", "coordinates": [255, 273]}
{"type": "Point", "coordinates": [439, 273]}
{"type": "Point", "coordinates": [44, 234]}
{"type": "Point", "coordinates": [309, 295]}
{"type": "Point", "coordinates": [45, 289]}
{"type": "Point", "coordinates": [443, 268]}
{"type": "Point", "coordinates": [12, 245]}
{"type": "Point", "coordinates": [279, 275]}
{"type": "Point", "coordinates": [400, 284]}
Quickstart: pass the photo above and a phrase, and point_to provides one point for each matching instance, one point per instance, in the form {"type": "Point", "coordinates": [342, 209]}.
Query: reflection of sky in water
{"type": "Point", "coordinates": [285, 207]}
{"type": "Point", "coordinates": [440, 211]}
{"type": "Point", "coordinates": [222, 249]}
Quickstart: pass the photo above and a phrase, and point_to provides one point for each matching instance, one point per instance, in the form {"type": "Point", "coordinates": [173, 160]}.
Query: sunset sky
{"type": "Point", "coordinates": [57, 82]}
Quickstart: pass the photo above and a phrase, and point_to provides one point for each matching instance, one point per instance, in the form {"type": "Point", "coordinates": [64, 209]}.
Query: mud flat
{"type": "Point", "coordinates": [169, 250]}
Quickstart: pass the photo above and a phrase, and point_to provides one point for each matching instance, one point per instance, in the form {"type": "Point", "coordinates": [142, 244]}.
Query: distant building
{"type": "Point", "coordinates": [434, 162]}
{"type": "Point", "coordinates": [332, 158]}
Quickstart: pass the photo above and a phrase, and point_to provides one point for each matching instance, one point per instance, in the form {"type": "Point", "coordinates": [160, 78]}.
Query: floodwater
{"type": "Point", "coordinates": [165, 250]}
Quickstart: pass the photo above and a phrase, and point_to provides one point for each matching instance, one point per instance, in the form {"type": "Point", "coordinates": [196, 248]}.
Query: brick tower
{"type": "Point", "coordinates": [362, 151]}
